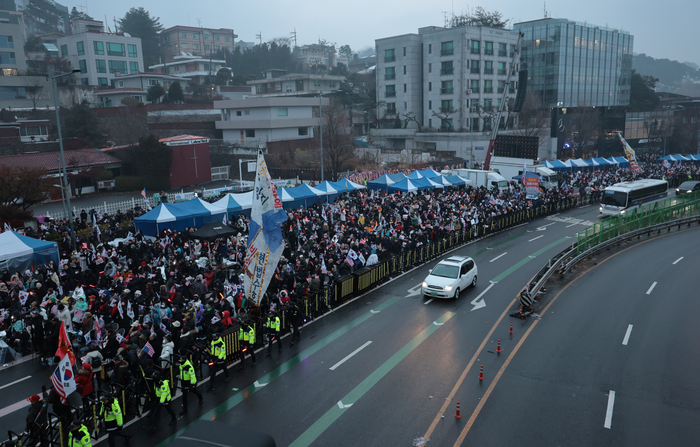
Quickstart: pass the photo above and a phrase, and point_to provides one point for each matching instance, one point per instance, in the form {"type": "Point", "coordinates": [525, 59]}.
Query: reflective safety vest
{"type": "Point", "coordinates": [112, 412]}
{"type": "Point", "coordinates": [187, 372]}
{"type": "Point", "coordinates": [163, 392]}
{"type": "Point", "coordinates": [218, 349]}
{"type": "Point", "coordinates": [79, 438]}
{"type": "Point", "coordinates": [274, 324]}
{"type": "Point", "coordinates": [248, 336]}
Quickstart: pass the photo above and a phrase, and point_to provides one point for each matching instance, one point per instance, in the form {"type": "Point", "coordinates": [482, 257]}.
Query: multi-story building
{"type": "Point", "coordinates": [572, 64]}
{"type": "Point", "coordinates": [449, 79]}
{"type": "Point", "coordinates": [192, 67]}
{"type": "Point", "coordinates": [318, 54]}
{"type": "Point", "coordinates": [101, 56]}
{"type": "Point", "coordinates": [136, 86]}
{"type": "Point", "coordinates": [254, 122]}
{"type": "Point", "coordinates": [280, 83]}
{"type": "Point", "coordinates": [180, 40]}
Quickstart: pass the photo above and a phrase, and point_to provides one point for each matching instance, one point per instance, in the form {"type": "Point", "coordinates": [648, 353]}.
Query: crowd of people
{"type": "Point", "coordinates": [135, 304]}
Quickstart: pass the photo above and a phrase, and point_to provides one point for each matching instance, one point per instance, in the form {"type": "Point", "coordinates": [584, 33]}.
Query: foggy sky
{"type": "Point", "coordinates": [666, 29]}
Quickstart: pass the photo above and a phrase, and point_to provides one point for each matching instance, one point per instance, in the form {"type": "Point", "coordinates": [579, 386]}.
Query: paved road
{"type": "Point", "coordinates": [413, 358]}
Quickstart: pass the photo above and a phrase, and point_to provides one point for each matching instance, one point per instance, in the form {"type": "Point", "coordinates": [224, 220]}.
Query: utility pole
{"type": "Point", "coordinates": [259, 37]}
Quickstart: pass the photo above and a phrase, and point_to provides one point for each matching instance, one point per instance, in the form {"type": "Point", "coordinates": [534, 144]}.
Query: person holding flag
{"type": "Point", "coordinates": [63, 379]}
{"type": "Point", "coordinates": [145, 199]}
{"type": "Point", "coordinates": [64, 345]}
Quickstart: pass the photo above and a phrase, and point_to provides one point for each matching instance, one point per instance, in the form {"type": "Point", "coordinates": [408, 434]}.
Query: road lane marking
{"type": "Point", "coordinates": [14, 407]}
{"type": "Point", "coordinates": [608, 414]}
{"type": "Point", "coordinates": [479, 304]}
{"type": "Point", "coordinates": [429, 301]}
{"type": "Point", "coordinates": [535, 238]}
{"type": "Point", "coordinates": [519, 264]}
{"type": "Point", "coordinates": [627, 335]}
{"type": "Point", "coordinates": [678, 260]}
{"type": "Point", "coordinates": [651, 288]}
{"type": "Point", "coordinates": [16, 381]}
{"type": "Point", "coordinates": [332, 368]}
{"type": "Point", "coordinates": [499, 256]}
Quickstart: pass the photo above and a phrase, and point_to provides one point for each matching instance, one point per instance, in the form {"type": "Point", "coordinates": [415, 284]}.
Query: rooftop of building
{"type": "Point", "coordinates": [547, 20]}
{"type": "Point", "coordinates": [196, 29]}
{"type": "Point", "coordinates": [79, 158]}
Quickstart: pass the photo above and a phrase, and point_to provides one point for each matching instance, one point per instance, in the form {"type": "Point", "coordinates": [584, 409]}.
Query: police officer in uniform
{"type": "Point", "coordinates": [163, 398]}
{"type": "Point", "coordinates": [273, 326]}
{"type": "Point", "coordinates": [78, 435]}
{"type": "Point", "coordinates": [188, 381]}
{"type": "Point", "coordinates": [246, 334]}
{"type": "Point", "coordinates": [111, 413]}
{"type": "Point", "coordinates": [295, 320]}
{"type": "Point", "coordinates": [218, 353]}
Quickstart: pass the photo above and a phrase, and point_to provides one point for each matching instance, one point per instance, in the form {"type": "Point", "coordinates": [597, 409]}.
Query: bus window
{"type": "Point", "coordinates": [615, 198]}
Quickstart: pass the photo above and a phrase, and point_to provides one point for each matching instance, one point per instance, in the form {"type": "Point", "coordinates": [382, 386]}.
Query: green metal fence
{"type": "Point", "coordinates": [639, 217]}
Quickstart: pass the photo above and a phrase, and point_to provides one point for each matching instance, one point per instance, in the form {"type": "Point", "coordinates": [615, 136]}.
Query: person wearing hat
{"type": "Point", "coordinates": [188, 380]}
{"type": "Point", "coordinates": [218, 359]}
{"type": "Point", "coordinates": [273, 326]}
{"type": "Point", "coordinates": [37, 418]}
{"type": "Point", "coordinates": [163, 398]}
{"type": "Point", "coordinates": [78, 435]}
{"type": "Point", "coordinates": [111, 414]}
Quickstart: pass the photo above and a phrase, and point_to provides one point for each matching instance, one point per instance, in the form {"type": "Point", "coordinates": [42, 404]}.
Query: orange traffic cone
{"type": "Point", "coordinates": [511, 327]}
{"type": "Point", "coordinates": [458, 415]}
{"type": "Point", "coordinates": [481, 373]}
{"type": "Point", "coordinates": [498, 350]}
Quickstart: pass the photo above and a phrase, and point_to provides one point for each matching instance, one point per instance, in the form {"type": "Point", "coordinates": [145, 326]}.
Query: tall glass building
{"type": "Point", "coordinates": [573, 64]}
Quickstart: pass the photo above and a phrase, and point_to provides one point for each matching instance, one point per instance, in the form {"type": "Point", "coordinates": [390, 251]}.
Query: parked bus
{"type": "Point", "coordinates": [622, 196]}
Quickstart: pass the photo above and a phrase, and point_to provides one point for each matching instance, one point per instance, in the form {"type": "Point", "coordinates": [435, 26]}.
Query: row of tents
{"type": "Point", "coordinates": [416, 180]}
{"type": "Point", "coordinates": [621, 162]}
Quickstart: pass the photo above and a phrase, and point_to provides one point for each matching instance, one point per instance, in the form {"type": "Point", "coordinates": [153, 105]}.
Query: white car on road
{"type": "Point", "coordinates": [449, 277]}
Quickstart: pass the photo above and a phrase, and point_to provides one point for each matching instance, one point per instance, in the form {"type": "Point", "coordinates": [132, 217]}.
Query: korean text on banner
{"type": "Point", "coordinates": [532, 187]}
{"type": "Point", "coordinates": [265, 242]}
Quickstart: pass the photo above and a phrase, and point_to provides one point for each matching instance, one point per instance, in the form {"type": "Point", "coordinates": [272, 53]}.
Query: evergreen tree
{"type": "Point", "coordinates": [175, 92]}
{"type": "Point", "coordinates": [80, 122]}
{"type": "Point", "coordinates": [154, 93]}
{"type": "Point", "coordinates": [643, 98]}
{"type": "Point", "coordinates": [78, 15]}
{"type": "Point", "coordinates": [139, 23]}
{"type": "Point", "coordinates": [42, 16]}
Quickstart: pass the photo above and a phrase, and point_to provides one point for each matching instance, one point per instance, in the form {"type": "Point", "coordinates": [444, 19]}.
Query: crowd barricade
{"type": "Point", "coordinates": [136, 397]}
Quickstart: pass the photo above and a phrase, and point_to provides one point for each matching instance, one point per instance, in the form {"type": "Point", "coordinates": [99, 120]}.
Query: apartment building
{"type": "Point", "coordinates": [280, 83]}
{"type": "Point", "coordinates": [183, 40]}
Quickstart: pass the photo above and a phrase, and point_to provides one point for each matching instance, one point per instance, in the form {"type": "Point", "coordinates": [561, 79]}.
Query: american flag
{"type": "Point", "coordinates": [63, 380]}
{"type": "Point", "coordinates": [149, 349]}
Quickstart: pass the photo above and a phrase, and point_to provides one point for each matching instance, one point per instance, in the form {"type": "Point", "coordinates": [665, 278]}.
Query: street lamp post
{"type": "Point", "coordinates": [64, 177]}
{"type": "Point", "coordinates": [320, 114]}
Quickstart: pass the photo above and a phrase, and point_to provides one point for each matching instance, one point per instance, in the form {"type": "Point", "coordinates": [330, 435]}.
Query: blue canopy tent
{"type": "Point", "coordinates": [235, 204]}
{"type": "Point", "coordinates": [456, 180]}
{"type": "Point", "coordinates": [304, 195]}
{"type": "Point", "coordinates": [429, 183]}
{"type": "Point", "coordinates": [556, 165]}
{"type": "Point", "coordinates": [442, 180]}
{"type": "Point", "coordinates": [345, 185]}
{"type": "Point", "coordinates": [429, 173]}
{"type": "Point", "coordinates": [19, 252]}
{"type": "Point", "coordinates": [694, 157]}
{"type": "Point", "coordinates": [397, 177]}
{"type": "Point", "coordinates": [409, 185]}
{"type": "Point", "coordinates": [677, 158]}
{"type": "Point", "coordinates": [381, 183]}
{"type": "Point", "coordinates": [415, 175]}
{"type": "Point", "coordinates": [178, 216]}
{"type": "Point", "coordinates": [528, 174]}
{"type": "Point", "coordinates": [579, 163]}
{"type": "Point", "coordinates": [622, 162]}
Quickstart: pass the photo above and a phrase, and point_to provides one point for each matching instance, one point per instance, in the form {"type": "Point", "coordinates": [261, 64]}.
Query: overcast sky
{"type": "Point", "coordinates": [661, 29]}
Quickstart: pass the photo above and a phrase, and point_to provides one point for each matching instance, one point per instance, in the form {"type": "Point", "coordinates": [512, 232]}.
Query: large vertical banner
{"type": "Point", "coordinates": [631, 156]}
{"type": "Point", "coordinates": [265, 242]}
{"type": "Point", "coordinates": [532, 188]}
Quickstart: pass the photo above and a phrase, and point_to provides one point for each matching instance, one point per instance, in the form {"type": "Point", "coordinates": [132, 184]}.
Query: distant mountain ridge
{"type": "Point", "coordinates": [675, 77]}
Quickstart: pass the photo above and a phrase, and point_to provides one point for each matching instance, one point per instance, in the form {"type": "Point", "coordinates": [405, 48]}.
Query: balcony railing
{"type": "Point", "coordinates": [389, 77]}
{"type": "Point", "coordinates": [447, 52]}
{"type": "Point", "coordinates": [474, 71]}
{"type": "Point", "coordinates": [502, 53]}
{"type": "Point", "coordinates": [447, 71]}
{"type": "Point", "coordinates": [488, 52]}
{"type": "Point", "coordinates": [389, 58]}
{"type": "Point", "coordinates": [447, 91]}
{"type": "Point", "coordinates": [391, 94]}
{"type": "Point", "coordinates": [488, 89]}
{"type": "Point", "coordinates": [447, 109]}
{"type": "Point", "coordinates": [488, 71]}
{"type": "Point", "coordinates": [476, 51]}
{"type": "Point", "coordinates": [391, 111]}
{"type": "Point", "coordinates": [502, 72]}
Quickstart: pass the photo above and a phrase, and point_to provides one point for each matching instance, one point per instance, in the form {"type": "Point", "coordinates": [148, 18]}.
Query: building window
{"type": "Point", "coordinates": [390, 91]}
{"type": "Point", "coordinates": [446, 124]}
{"type": "Point", "coordinates": [430, 105]}
{"type": "Point", "coordinates": [430, 123]}
{"type": "Point", "coordinates": [13, 93]}
{"type": "Point", "coordinates": [8, 58]}
{"type": "Point", "coordinates": [511, 87]}
{"type": "Point", "coordinates": [117, 66]}
{"type": "Point", "coordinates": [217, 37]}
{"type": "Point", "coordinates": [474, 67]}
{"type": "Point", "coordinates": [183, 35]}
{"type": "Point", "coordinates": [64, 50]}
{"type": "Point", "coordinates": [207, 47]}
{"type": "Point", "coordinates": [404, 88]}
{"type": "Point", "coordinates": [446, 88]}
{"type": "Point", "coordinates": [512, 51]}
{"type": "Point", "coordinates": [81, 48]}
{"type": "Point", "coordinates": [474, 85]}
{"type": "Point", "coordinates": [282, 111]}
{"type": "Point", "coordinates": [303, 131]}
{"type": "Point", "coordinates": [501, 86]}
{"type": "Point", "coordinates": [389, 55]}
{"type": "Point", "coordinates": [132, 50]}
{"type": "Point", "coordinates": [206, 37]}
{"type": "Point", "coordinates": [246, 112]}
{"type": "Point", "coordinates": [446, 49]}
{"type": "Point", "coordinates": [446, 68]}
{"type": "Point", "coordinates": [446, 106]}
{"type": "Point", "coordinates": [430, 48]}
{"type": "Point", "coordinates": [217, 47]}
{"type": "Point", "coordinates": [405, 105]}
{"type": "Point", "coordinates": [133, 67]}
{"type": "Point", "coordinates": [115, 49]}
{"type": "Point", "coordinates": [249, 133]}
{"type": "Point", "coordinates": [430, 68]}
{"type": "Point", "coordinates": [404, 51]}
{"type": "Point", "coordinates": [83, 66]}
{"type": "Point", "coordinates": [488, 86]}
{"type": "Point", "coordinates": [100, 66]}
{"type": "Point", "coordinates": [389, 73]}
{"type": "Point", "coordinates": [7, 42]}
{"type": "Point", "coordinates": [195, 35]}
{"type": "Point", "coordinates": [475, 124]}
{"type": "Point", "coordinates": [196, 46]}
{"type": "Point", "coordinates": [502, 69]}
{"type": "Point", "coordinates": [502, 50]}
{"type": "Point", "coordinates": [99, 48]}
{"type": "Point", "coordinates": [391, 108]}
{"type": "Point", "coordinates": [488, 48]}
{"type": "Point", "coordinates": [239, 113]}
{"type": "Point", "coordinates": [430, 86]}
{"type": "Point", "coordinates": [120, 84]}
{"type": "Point", "coordinates": [476, 47]}
{"type": "Point", "coordinates": [487, 123]}
{"type": "Point", "coordinates": [488, 67]}
{"type": "Point", "coordinates": [185, 46]}
{"type": "Point", "coordinates": [488, 104]}
{"type": "Point", "coordinates": [102, 82]}
{"type": "Point", "coordinates": [404, 69]}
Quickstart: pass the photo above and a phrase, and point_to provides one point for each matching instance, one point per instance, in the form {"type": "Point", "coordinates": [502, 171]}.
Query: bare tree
{"type": "Point", "coordinates": [127, 126]}
{"type": "Point", "coordinates": [338, 136]}
{"type": "Point", "coordinates": [408, 118]}
{"type": "Point", "coordinates": [533, 119]}
{"type": "Point", "coordinates": [33, 86]}
{"type": "Point", "coordinates": [585, 127]}
{"type": "Point", "coordinates": [444, 116]}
